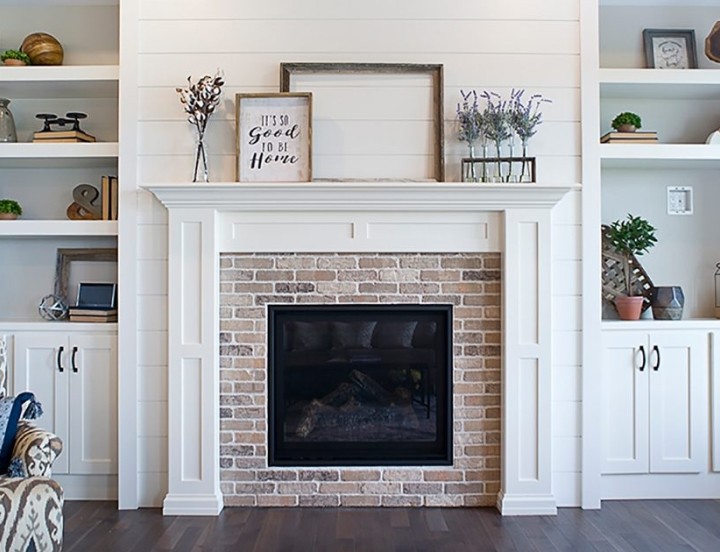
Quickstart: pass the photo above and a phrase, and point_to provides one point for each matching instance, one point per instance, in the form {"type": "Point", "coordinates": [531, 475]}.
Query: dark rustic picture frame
{"type": "Point", "coordinates": [239, 98]}
{"type": "Point", "coordinates": [688, 35]}
{"type": "Point", "coordinates": [65, 257]}
{"type": "Point", "coordinates": [436, 71]}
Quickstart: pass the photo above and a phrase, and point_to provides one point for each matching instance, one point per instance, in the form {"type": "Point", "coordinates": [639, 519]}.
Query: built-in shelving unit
{"type": "Point", "coordinates": [39, 228]}
{"type": "Point", "coordinates": [64, 81]}
{"type": "Point", "coordinates": [660, 156]}
{"type": "Point", "coordinates": [699, 84]}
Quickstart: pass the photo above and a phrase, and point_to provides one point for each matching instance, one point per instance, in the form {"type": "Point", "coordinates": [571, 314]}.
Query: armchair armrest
{"type": "Point", "coordinates": [34, 451]}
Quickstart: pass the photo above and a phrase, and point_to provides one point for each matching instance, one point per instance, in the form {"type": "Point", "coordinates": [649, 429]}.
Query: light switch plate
{"type": "Point", "coordinates": [680, 200]}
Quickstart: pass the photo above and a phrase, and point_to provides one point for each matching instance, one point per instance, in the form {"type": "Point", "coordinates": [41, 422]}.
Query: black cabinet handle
{"type": "Point", "coordinates": [644, 358]}
{"type": "Point", "coordinates": [72, 360]}
{"type": "Point", "coordinates": [59, 359]}
{"type": "Point", "coordinates": [656, 349]}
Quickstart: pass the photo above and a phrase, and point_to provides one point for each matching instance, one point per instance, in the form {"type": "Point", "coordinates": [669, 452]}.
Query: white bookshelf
{"type": "Point", "coordinates": [41, 228]}
{"type": "Point", "coordinates": [63, 81]}
{"type": "Point", "coordinates": [29, 155]}
{"type": "Point", "coordinates": [695, 84]}
{"type": "Point", "coordinates": [648, 156]}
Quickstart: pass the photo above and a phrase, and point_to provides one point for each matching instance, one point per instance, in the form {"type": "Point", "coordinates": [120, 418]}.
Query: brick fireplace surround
{"type": "Point", "coordinates": [470, 282]}
{"type": "Point", "coordinates": [465, 231]}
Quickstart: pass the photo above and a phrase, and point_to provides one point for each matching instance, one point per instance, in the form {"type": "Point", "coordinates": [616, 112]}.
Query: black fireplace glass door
{"type": "Point", "coordinates": [360, 385]}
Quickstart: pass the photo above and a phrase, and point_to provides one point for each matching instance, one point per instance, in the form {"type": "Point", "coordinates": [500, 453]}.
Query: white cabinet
{"type": "Point", "coordinates": [655, 402]}
{"type": "Point", "coordinates": [74, 376]}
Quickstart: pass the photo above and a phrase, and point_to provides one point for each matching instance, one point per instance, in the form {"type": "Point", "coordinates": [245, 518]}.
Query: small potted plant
{"type": "Point", "coordinates": [627, 122]}
{"type": "Point", "coordinates": [9, 209]}
{"type": "Point", "coordinates": [630, 237]}
{"type": "Point", "coordinates": [15, 57]}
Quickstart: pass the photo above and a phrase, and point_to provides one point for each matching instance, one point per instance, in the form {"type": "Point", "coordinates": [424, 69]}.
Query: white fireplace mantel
{"type": "Point", "coordinates": [208, 219]}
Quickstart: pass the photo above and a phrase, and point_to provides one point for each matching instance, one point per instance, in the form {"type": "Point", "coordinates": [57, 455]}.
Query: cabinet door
{"type": "Point", "coordinates": [625, 402]}
{"type": "Point", "coordinates": [93, 404]}
{"type": "Point", "coordinates": [678, 402]}
{"type": "Point", "coordinates": [37, 363]}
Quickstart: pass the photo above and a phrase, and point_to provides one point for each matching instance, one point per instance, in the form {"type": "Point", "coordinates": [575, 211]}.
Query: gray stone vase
{"type": "Point", "coordinates": [667, 302]}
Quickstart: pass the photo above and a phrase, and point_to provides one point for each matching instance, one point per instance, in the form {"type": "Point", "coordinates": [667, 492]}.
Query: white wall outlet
{"type": "Point", "coordinates": [680, 200]}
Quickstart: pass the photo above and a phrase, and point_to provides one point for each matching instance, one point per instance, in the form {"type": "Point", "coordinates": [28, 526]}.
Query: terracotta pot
{"type": "Point", "coordinates": [8, 216]}
{"type": "Point", "coordinates": [629, 308]}
{"type": "Point", "coordinates": [14, 63]}
{"type": "Point", "coordinates": [627, 128]}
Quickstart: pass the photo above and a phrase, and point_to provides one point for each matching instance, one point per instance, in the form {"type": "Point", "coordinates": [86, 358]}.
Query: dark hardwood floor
{"type": "Point", "coordinates": [657, 526]}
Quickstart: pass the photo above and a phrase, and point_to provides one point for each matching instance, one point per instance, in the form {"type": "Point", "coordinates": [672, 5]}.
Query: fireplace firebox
{"type": "Point", "coordinates": [353, 385]}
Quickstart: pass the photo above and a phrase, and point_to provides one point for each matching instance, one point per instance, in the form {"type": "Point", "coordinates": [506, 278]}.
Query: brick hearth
{"type": "Point", "coordinates": [249, 282]}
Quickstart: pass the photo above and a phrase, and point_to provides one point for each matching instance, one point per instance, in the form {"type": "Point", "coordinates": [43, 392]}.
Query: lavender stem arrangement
{"type": "Point", "coordinates": [497, 129]}
{"type": "Point", "coordinates": [200, 101]}
{"type": "Point", "coordinates": [524, 119]}
{"type": "Point", "coordinates": [470, 122]}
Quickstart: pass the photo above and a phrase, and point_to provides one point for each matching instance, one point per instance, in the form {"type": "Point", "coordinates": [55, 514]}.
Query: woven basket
{"type": "Point", "coordinates": [613, 274]}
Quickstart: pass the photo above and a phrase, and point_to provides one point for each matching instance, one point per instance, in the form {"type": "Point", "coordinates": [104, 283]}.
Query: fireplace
{"type": "Point", "coordinates": [360, 385]}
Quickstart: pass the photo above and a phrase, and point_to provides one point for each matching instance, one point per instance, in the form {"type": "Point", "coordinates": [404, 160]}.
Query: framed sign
{"type": "Point", "coordinates": [274, 137]}
{"type": "Point", "coordinates": [670, 49]}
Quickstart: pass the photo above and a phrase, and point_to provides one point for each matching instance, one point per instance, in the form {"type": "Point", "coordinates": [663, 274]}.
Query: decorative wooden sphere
{"type": "Point", "coordinates": [43, 49]}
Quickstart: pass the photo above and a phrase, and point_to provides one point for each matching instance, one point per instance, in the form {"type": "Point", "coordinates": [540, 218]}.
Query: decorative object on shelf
{"type": "Point", "coordinates": [65, 257]}
{"type": "Point", "coordinates": [667, 302]}
{"type": "Point", "coordinates": [274, 137]}
{"type": "Point", "coordinates": [670, 49]}
{"type": "Point", "coordinates": [15, 58]}
{"type": "Point", "coordinates": [200, 101]}
{"type": "Point", "coordinates": [43, 49]}
{"type": "Point", "coordinates": [48, 134]}
{"type": "Point", "coordinates": [634, 137]}
{"type": "Point", "coordinates": [524, 166]}
{"type": "Point", "coordinates": [96, 302]}
{"type": "Point", "coordinates": [110, 198]}
{"type": "Point", "coordinates": [471, 129]}
{"type": "Point", "coordinates": [625, 282]}
{"type": "Point", "coordinates": [714, 138]}
{"type": "Point", "coordinates": [9, 209]}
{"type": "Point", "coordinates": [84, 208]}
{"type": "Point", "coordinates": [8, 133]}
{"type": "Point", "coordinates": [53, 308]}
{"type": "Point", "coordinates": [627, 122]}
{"type": "Point", "coordinates": [717, 290]}
{"type": "Point", "coordinates": [497, 128]}
{"type": "Point", "coordinates": [524, 120]}
{"type": "Point", "coordinates": [712, 44]}
{"type": "Point", "coordinates": [435, 71]}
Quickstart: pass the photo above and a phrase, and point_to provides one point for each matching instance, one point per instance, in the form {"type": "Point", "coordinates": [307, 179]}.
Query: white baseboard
{"type": "Point", "coordinates": [526, 505]}
{"type": "Point", "coordinates": [88, 487]}
{"type": "Point", "coordinates": [192, 505]}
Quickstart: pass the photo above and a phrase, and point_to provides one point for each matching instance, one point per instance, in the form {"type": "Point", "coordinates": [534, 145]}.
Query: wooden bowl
{"type": "Point", "coordinates": [43, 49]}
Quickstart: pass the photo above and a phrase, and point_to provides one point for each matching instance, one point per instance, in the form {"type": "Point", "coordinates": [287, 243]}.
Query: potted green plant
{"type": "Point", "coordinates": [15, 57]}
{"type": "Point", "coordinates": [627, 122]}
{"type": "Point", "coordinates": [630, 237]}
{"type": "Point", "coordinates": [9, 209]}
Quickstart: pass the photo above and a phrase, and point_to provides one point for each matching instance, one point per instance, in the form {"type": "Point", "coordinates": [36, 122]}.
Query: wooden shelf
{"type": "Point", "coordinates": [65, 81]}
{"type": "Point", "coordinates": [29, 155]}
{"type": "Point", "coordinates": [642, 156]}
{"type": "Point", "coordinates": [48, 228]}
{"type": "Point", "coordinates": [693, 84]}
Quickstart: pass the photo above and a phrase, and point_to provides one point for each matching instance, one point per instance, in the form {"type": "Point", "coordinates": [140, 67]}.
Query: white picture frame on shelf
{"type": "Point", "coordinates": [274, 137]}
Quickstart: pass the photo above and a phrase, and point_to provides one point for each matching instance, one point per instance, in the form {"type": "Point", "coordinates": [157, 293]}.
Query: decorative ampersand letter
{"type": "Point", "coordinates": [83, 207]}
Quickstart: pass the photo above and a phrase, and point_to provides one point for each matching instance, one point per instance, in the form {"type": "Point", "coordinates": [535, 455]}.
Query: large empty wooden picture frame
{"type": "Point", "coordinates": [66, 256]}
{"type": "Point", "coordinates": [435, 71]}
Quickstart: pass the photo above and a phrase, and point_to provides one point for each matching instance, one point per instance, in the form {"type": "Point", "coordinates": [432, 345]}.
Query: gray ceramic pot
{"type": "Point", "coordinates": [667, 302]}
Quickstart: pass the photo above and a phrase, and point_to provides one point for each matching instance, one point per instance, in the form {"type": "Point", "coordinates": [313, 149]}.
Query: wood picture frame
{"type": "Point", "coordinates": [436, 71]}
{"type": "Point", "coordinates": [65, 257]}
{"type": "Point", "coordinates": [670, 49]}
{"type": "Point", "coordinates": [273, 137]}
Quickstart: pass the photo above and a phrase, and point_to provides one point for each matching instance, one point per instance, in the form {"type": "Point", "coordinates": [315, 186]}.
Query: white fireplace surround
{"type": "Point", "coordinates": [208, 219]}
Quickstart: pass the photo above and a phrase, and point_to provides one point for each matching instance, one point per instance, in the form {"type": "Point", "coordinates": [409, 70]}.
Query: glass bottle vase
{"type": "Point", "coordinates": [470, 174]}
{"type": "Point", "coordinates": [8, 133]}
{"type": "Point", "coordinates": [201, 164]}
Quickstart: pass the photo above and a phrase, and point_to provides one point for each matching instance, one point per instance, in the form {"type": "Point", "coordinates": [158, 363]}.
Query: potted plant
{"type": "Point", "coordinates": [627, 122]}
{"type": "Point", "coordinates": [630, 237]}
{"type": "Point", "coordinates": [15, 57]}
{"type": "Point", "coordinates": [9, 209]}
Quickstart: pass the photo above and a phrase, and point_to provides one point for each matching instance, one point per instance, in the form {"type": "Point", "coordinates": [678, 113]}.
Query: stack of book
{"type": "Point", "coordinates": [62, 136]}
{"type": "Point", "coordinates": [109, 194]}
{"type": "Point", "coordinates": [84, 314]}
{"type": "Point", "coordinates": [637, 137]}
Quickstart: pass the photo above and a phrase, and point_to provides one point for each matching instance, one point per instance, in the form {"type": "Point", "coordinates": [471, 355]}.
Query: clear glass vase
{"type": "Point", "coordinates": [485, 172]}
{"type": "Point", "coordinates": [526, 171]}
{"type": "Point", "coordinates": [201, 164]}
{"type": "Point", "coordinates": [8, 133]}
{"type": "Point", "coordinates": [498, 176]}
{"type": "Point", "coordinates": [470, 174]}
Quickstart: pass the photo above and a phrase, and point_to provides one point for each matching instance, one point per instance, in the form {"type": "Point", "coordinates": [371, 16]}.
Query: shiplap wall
{"type": "Point", "coordinates": [484, 44]}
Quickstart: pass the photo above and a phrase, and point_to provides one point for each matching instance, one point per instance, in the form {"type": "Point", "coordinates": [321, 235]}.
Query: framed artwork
{"type": "Point", "coordinates": [435, 71]}
{"type": "Point", "coordinates": [670, 49]}
{"type": "Point", "coordinates": [274, 137]}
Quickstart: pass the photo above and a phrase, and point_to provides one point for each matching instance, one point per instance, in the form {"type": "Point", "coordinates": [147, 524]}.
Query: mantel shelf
{"type": "Point", "coordinates": [699, 84]}
{"type": "Point", "coordinates": [64, 81]}
{"type": "Point", "coordinates": [41, 228]}
{"type": "Point", "coordinates": [349, 196]}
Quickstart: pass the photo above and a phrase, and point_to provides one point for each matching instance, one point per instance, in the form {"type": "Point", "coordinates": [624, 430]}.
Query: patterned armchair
{"type": "Point", "coordinates": [31, 504]}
